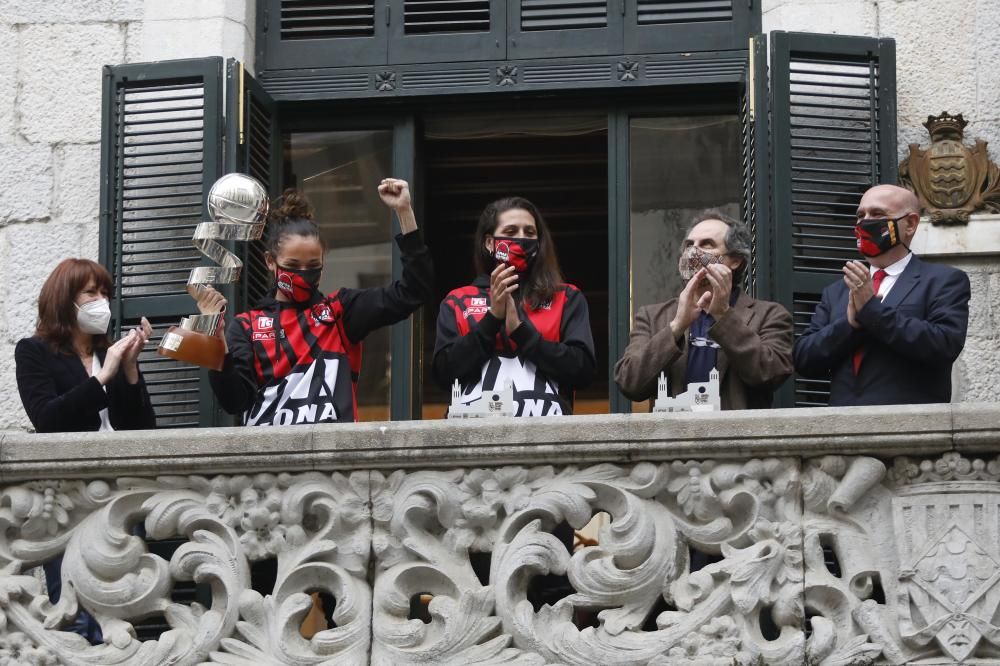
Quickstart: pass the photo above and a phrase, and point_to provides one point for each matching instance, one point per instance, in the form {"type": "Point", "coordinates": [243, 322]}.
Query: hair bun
{"type": "Point", "coordinates": [291, 205]}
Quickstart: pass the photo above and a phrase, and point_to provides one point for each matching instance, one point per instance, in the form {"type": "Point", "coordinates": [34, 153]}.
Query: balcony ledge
{"type": "Point", "coordinates": [878, 431]}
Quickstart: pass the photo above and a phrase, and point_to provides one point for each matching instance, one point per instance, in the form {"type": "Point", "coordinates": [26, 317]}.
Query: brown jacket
{"type": "Point", "coordinates": [755, 355]}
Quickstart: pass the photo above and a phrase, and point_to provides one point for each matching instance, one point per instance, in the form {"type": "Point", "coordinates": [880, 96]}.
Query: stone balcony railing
{"type": "Point", "coordinates": [828, 537]}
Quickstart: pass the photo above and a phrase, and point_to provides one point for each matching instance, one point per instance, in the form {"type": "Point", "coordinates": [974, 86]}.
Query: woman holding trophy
{"type": "Point", "coordinates": [296, 356]}
{"type": "Point", "coordinates": [518, 324]}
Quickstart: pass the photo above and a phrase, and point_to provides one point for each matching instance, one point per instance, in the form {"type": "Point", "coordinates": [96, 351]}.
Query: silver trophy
{"type": "Point", "coordinates": [238, 205]}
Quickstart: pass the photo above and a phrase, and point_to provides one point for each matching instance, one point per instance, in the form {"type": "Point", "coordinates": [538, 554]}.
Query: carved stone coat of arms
{"type": "Point", "coordinates": [951, 178]}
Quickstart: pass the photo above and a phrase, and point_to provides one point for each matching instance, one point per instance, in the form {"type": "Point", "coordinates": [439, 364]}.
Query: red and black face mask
{"type": "Point", "coordinates": [517, 252]}
{"type": "Point", "coordinates": [297, 285]}
{"type": "Point", "coordinates": [877, 236]}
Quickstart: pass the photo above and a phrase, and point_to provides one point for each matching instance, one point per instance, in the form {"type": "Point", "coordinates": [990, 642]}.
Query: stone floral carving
{"type": "Point", "coordinates": [750, 514]}
{"type": "Point", "coordinates": [832, 561]}
{"type": "Point", "coordinates": [317, 526]}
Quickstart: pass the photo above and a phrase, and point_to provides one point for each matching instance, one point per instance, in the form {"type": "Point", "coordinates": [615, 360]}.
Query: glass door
{"type": "Point", "coordinates": [555, 159]}
{"type": "Point", "coordinates": [339, 171]}
{"type": "Point", "coordinates": [677, 166]}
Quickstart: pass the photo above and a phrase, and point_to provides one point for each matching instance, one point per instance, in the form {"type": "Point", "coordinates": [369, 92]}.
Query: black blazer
{"type": "Point", "coordinates": [59, 396]}
{"type": "Point", "coordinates": [911, 339]}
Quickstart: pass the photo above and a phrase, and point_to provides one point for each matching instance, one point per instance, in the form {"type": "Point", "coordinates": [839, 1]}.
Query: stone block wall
{"type": "Point", "coordinates": [51, 59]}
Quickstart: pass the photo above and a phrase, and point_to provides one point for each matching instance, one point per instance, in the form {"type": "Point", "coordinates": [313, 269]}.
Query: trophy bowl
{"type": "Point", "coordinates": [238, 206]}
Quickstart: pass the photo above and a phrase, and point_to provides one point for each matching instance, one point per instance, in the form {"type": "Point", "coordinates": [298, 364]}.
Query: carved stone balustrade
{"type": "Point", "coordinates": [818, 536]}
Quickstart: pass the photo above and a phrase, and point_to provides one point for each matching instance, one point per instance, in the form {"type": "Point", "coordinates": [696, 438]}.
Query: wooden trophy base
{"type": "Point", "coordinates": [207, 351]}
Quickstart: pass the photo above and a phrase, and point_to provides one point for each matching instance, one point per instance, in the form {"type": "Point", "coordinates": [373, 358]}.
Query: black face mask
{"type": "Point", "coordinates": [878, 236]}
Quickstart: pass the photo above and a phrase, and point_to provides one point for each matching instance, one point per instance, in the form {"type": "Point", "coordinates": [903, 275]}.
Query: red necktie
{"type": "Point", "coordinates": [859, 353]}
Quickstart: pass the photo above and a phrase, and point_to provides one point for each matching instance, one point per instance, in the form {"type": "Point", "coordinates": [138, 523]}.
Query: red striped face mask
{"type": "Point", "coordinates": [297, 285]}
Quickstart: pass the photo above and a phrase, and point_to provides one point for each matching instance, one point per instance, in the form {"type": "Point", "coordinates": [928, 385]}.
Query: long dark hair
{"type": "Point", "coordinates": [57, 319]}
{"type": "Point", "coordinates": [291, 214]}
{"type": "Point", "coordinates": [544, 276]}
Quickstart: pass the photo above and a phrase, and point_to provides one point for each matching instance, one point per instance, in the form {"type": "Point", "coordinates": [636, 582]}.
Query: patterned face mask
{"type": "Point", "coordinates": [297, 285]}
{"type": "Point", "coordinates": [877, 236]}
{"type": "Point", "coordinates": [517, 252]}
{"type": "Point", "coordinates": [694, 259]}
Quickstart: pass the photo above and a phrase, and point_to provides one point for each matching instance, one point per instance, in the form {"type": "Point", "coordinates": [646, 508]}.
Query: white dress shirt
{"type": "Point", "coordinates": [95, 367]}
{"type": "Point", "coordinates": [892, 272]}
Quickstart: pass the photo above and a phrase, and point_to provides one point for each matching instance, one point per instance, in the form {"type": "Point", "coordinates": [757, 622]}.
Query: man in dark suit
{"type": "Point", "coordinates": [889, 331]}
{"type": "Point", "coordinates": [711, 324]}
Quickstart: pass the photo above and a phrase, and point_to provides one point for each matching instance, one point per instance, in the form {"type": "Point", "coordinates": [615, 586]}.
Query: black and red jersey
{"type": "Point", "coordinates": [291, 363]}
{"type": "Point", "coordinates": [547, 357]}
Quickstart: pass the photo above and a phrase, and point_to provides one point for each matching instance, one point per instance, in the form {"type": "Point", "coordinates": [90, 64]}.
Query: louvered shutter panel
{"type": "Point", "coordinates": [669, 26]}
{"type": "Point", "coordinates": [294, 34]}
{"type": "Point", "coordinates": [446, 30]}
{"type": "Point", "coordinates": [252, 147]}
{"type": "Point", "coordinates": [834, 136]}
{"type": "Point", "coordinates": [161, 151]}
{"type": "Point", "coordinates": [555, 28]}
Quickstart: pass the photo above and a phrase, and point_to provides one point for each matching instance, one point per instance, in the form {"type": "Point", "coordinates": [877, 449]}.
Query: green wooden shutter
{"type": "Point", "coordinates": [293, 34]}
{"type": "Point", "coordinates": [833, 106]}
{"type": "Point", "coordinates": [446, 30]}
{"type": "Point", "coordinates": [670, 26]}
{"type": "Point", "coordinates": [557, 28]}
{"type": "Point", "coordinates": [756, 193]}
{"type": "Point", "coordinates": [161, 151]}
{"type": "Point", "coordinates": [252, 147]}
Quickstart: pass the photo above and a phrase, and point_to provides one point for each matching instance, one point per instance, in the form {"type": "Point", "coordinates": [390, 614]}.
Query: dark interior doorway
{"type": "Point", "coordinates": [556, 160]}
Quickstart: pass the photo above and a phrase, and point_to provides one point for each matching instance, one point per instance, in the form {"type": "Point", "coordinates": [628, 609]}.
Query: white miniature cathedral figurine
{"type": "Point", "coordinates": [492, 403]}
{"type": "Point", "coordinates": [699, 397]}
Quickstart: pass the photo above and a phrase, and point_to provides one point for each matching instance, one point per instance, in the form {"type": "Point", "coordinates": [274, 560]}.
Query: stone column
{"type": "Point", "coordinates": [976, 250]}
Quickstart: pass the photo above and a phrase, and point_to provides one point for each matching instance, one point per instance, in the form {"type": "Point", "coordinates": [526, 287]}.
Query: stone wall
{"type": "Point", "coordinates": [51, 59]}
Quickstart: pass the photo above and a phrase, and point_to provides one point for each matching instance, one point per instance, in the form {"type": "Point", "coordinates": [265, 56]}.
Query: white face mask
{"type": "Point", "coordinates": [94, 316]}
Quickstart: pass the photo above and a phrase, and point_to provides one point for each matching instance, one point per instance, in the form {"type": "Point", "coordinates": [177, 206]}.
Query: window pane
{"type": "Point", "coordinates": [678, 166]}
{"type": "Point", "coordinates": [339, 173]}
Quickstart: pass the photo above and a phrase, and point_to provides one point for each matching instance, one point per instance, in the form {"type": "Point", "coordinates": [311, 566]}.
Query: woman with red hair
{"type": "Point", "coordinates": [72, 378]}
{"type": "Point", "coordinates": [70, 375]}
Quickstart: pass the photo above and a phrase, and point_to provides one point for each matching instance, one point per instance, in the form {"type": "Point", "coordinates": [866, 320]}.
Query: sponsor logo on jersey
{"type": "Point", "coordinates": [264, 323]}
{"type": "Point", "coordinates": [322, 313]}
{"type": "Point", "coordinates": [477, 301]}
{"type": "Point", "coordinates": [303, 396]}
{"type": "Point", "coordinates": [474, 310]}
{"type": "Point", "coordinates": [529, 398]}
{"type": "Point", "coordinates": [262, 335]}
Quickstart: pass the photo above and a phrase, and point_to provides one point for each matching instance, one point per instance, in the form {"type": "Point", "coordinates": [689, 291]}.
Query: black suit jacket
{"type": "Point", "coordinates": [910, 339]}
{"type": "Point", "coordinates": [59, 396]}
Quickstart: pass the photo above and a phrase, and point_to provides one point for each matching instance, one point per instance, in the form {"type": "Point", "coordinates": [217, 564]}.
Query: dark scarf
{"type": "Point", "coordinates": [703, 351]}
